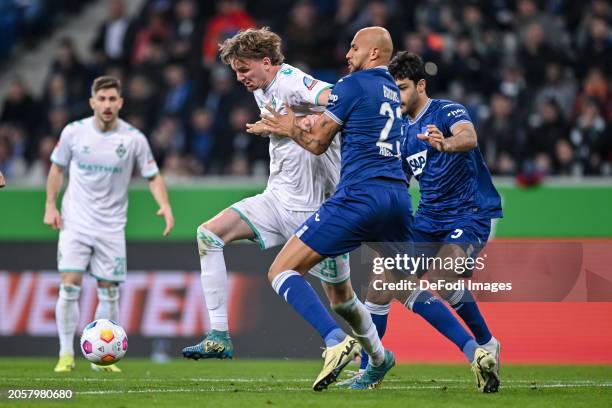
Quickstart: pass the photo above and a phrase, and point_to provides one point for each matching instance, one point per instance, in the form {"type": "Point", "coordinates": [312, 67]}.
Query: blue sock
{"type": "Point", "coordinates": [466, 307]}
{"type": "Point", "coordinates": [380, 321]}
{"type": "Point", "coordinates": [429, 307]}
{"type": "Point", "coordinates": [304, 300]}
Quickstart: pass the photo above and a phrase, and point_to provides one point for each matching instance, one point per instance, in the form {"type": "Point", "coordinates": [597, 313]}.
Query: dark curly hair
{"type": "Point", "coordinates": [407, 65]}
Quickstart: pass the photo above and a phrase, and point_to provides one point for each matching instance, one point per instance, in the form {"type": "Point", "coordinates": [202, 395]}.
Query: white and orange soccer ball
{"type": "Point", "coordinates": [104, 342]}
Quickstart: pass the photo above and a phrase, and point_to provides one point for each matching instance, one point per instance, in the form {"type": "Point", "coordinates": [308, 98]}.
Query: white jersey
{"type": "Point", "coordinates": [101, 166]}
{"type": "Point", "coordinates": [299, 179]}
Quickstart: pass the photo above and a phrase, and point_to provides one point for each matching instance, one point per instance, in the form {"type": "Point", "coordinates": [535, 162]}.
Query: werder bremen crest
{"type": "Point", "coordinates": [121, 151]}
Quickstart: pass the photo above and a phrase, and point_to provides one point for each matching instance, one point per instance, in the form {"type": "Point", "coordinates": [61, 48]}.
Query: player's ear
{"type": "Point", "coordinates": [267, 63]}
{"type": "Point", "coordinates": [120, 102]}
{"type": "Point", "coordinates": [421, 85]}
{"type": "Point", "coordinates": [91, 102]}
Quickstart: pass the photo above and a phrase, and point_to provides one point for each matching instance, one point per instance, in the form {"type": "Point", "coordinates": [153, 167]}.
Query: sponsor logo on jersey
{"type": "Point", "coordinates": [286, 71]}
{"type": "Point", "coordinates": [309, 82]}
{"type": "Point", "coordinates": [98, 168]}
{"type": "Point", "coordinates": [333, 98]}
{"type": "Point", "coordinates": [417, 162]}
{"type": "Point", "coordinates": [86, 150]}
{"type": "Point", "coordinates": [456, 112]}
{"type": "Point", "coordinates": [390, 94]}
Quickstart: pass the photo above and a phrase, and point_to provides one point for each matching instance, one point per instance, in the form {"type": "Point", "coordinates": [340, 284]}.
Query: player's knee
{"type": "Point", "coordinates": [208, 241]}
{"type": "Point", "coordinates": [108, 293]}
{"type": "Point", "coordinates": [69, 292]}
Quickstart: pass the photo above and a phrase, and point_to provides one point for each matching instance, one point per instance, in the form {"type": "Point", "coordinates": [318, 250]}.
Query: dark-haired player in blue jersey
{"type": "Point", "coordinates": [371, 202]}
{"type": "Point", "coordinates": [458, 198]}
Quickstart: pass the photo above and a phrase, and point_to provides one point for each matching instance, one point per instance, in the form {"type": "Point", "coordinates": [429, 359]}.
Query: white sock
{"type": "Point", "coordinates": [358, 317]}
{"type": "Point", "coordinates": [214, 278]}
{"type": "Point", "coordinates": [67, 316]}
{"type": "Point", "coordinates": [108, 304]}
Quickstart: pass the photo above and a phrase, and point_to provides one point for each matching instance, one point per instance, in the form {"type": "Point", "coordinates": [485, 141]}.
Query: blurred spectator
{"type": "Point", "coordinates": [116, 34]}
{"type": "Point", "coordinates": [39, 169]}
{"type": "Point", "coordinates": [307, 39]}
{"type": "Point", "coordinates": [590, 140]}
{"type": "Point", "coordinates": [178, 92]}
{"type": "Point", "coordinates": [558, 86]}
{"type": "Point", "coordinates": [155, 34]}
{"type": "Point", "coordinates": [201, 137]}
{"type": "Point", "coordinates": [547, 137]}
{"type": "Point", "coordinates": [167, 138]}
{"type": "Point", "coordinates": [596, 86]}
{"type": "Point", "coordinates": [19, 107]}
{"type": "Point", "coordinates": [141, 101]}
{"type": "Point", "coordinates": [500, 138]}
{"type": "Point", "coordinates": [68, 64]}
{"type": "Point", "coordinates": [231, 17]}
{"type": "Point", "coordinates": [187, 34]}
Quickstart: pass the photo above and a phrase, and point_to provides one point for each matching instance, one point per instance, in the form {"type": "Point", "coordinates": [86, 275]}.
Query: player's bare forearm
{"type": "Point", "coordinates": [55, 179]}
{"type": "Point", "coordinates": [160, 194]}
{"type": "Point", "coordinates": [316, 141]}
{"type": "Point", "coordinates": [463, 139]}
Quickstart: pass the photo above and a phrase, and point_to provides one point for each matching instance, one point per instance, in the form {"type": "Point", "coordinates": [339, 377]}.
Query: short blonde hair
{"type": "Point", "coordinates": [253, 43]}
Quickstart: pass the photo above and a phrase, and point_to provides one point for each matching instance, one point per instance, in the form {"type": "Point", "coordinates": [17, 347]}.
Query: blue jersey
{"type": "Point", "coordinates": [451, 184]}
{"type": "Point", "coordinates": [366, 103]}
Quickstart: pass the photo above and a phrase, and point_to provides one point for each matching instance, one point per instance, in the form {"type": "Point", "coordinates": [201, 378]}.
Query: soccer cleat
{"type": "Point", "coordinates": [373, 376]}
{"type": "Point", "coordinates": [352, 377]}
{"type": "Point", "coordinates": [217, 344]}
{"type": "Point", "coordinates": [483, 368]}
{"type": "Point", "coordinates": [65, 364]}
{"type": "Point", "coordinates": [494, 348]}
{"type": "Point", "coordinates": [106, 369]}
{"type": "Point", "coordinates": [336, 358]}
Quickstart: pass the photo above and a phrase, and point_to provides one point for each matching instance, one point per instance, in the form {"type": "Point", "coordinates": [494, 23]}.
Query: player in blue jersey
{"type": "Point", "coordinates": [458, 199]}
{"type": "Point", "coordinates": [371, 202]}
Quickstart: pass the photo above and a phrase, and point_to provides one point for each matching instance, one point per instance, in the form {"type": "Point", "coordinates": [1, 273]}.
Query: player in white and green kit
{"type": "Point", "coordinates": [99, 154]}
{"type": "Point", "coordinates": [299, 182]}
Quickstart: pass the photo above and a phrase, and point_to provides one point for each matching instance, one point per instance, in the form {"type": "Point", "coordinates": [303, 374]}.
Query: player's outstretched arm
{"type": "Point", "coordinates": [2, 180]}
{"type": "Point", "coordinates": [463, 138]}
{"type": "Point", "coordinates": [160, 193]}
{"type": "Point", "coordinates": [316, 141]}
{"type": "Point", "coordinates": [55, 179]}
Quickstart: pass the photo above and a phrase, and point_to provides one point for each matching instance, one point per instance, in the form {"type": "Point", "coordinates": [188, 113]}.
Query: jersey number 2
{"type": "Point", "coordinates": [387, 110]}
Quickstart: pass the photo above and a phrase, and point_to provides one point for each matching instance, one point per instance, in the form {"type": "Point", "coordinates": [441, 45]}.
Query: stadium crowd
{"type": "Point", "coordinates": [535, 76]}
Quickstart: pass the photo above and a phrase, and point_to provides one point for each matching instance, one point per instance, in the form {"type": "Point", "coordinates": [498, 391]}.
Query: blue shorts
{"type": "Point", "coordinates": [377, 211]}
{"type": "Point", "coordinates": [470, 233]}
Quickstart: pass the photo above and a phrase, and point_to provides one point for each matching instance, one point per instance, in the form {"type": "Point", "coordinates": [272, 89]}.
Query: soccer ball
{"type": "Point", "coordinates": [103, 342]}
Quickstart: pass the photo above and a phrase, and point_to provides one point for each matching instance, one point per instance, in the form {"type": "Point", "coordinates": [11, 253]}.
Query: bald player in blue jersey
{"type": "Point", "coordinates": [371, 202]}
{"type": "Point", "coordinates": [458, 199]}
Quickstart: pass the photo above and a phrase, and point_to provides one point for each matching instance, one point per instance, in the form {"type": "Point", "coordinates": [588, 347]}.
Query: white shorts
{"type": "Point", "coordinates": [105, 255]}
{"type": "Point", "coordinates": [273, 225]}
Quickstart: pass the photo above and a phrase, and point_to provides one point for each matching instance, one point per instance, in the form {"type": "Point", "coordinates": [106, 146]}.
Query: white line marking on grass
{"type": "Point", "coordinates": [300, 380]}
{"type": "Point", "coordinates": [272, 389]}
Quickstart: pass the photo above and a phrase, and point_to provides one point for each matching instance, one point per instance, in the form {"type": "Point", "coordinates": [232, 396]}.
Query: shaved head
{"type": "Point", "coordinates": [371, 47]}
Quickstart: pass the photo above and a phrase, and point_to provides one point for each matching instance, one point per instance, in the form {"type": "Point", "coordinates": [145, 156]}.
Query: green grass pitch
{"type": "Point", "coordinates": [286, 383]}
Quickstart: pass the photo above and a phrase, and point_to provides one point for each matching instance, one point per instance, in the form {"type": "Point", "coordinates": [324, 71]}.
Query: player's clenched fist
{"type": "Point", "coordinates": [52, 216]}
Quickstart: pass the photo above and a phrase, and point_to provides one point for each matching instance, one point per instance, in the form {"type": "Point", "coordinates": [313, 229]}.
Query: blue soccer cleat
{"type": "Point", "coordinates": [217, 344]}
{"type": "Point", "coordinates": [372, 376]}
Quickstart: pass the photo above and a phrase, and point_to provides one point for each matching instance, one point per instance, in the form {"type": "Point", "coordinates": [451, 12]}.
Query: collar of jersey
{"type": "Point", "coordinates": [421, 113]}
{"type": "Point", "coordinates": [98, 131]}
{"type": "Point", "coordinates": [274, 79]}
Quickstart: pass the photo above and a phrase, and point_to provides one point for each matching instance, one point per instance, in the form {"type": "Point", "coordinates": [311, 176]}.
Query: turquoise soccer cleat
{"type": "Point", "coordinates": [216, 344]}
{"type": "Point", "coordinates": [372, 376]}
